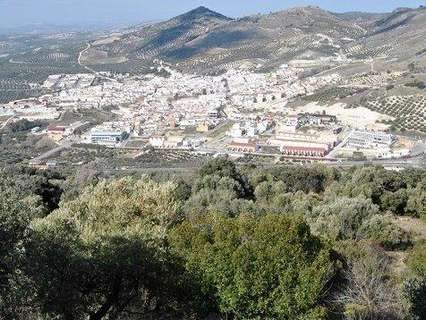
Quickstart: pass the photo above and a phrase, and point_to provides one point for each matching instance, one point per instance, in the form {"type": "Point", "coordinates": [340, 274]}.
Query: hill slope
{"type": "Point", "coordinates": [203, 40]}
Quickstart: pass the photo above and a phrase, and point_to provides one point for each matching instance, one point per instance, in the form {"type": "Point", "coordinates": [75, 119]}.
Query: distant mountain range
{"type": "Point", "coordinates": [206, 41]}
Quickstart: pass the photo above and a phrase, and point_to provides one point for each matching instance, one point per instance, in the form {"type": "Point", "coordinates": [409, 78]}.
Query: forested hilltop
{"type": "Point", "coordinates": [288, 242]}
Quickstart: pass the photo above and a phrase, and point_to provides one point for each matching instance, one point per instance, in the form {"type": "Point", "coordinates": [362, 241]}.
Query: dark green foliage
{"type": "Point", "coordinates": [104, 254]}
{"type": "Point", "coordinates": [26, 181]}
{"type": "Point", "coordinates": [17, 209]}
{"type": "Point", "coordinates": [220, 187]}
{"type": "Point", "coordinates": [416, 293]}
{"type": "Point", "coordinates": [416, 204]}
{"type": "Point", "coordinates": [298, 178]}
{"type": "Point", "coordinates": [238, 242]}
{"type": "Point", "coordinates": [415, 287]}
{"type": "Point", "coordinates": [23, 125]}
{"type": "Point", "coordinates": [224, 168]}
{"type": "Point", "coordinates": [75, 279]}
{"type": "Point", "coordinates": [254, 268]}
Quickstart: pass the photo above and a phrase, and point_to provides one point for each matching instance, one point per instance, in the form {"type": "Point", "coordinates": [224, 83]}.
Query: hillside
{"type": "Point", "coordinates": [403, 32]}
{"type": "Point", "coordinates": [203, 39]}
{"type": "Point", "coordinates": [155, 40]}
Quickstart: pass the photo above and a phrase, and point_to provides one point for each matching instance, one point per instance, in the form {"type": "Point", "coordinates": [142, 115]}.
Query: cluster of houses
{"type": "Point", "coordinates": [179, 111]}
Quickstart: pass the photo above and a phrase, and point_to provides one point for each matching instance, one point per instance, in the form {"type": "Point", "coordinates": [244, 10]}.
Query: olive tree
{"type": "Point", "coordinates": [105, 253]}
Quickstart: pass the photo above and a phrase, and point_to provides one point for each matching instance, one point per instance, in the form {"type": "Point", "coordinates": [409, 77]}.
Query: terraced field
{"type": "Point", "coordinates": [203, 40]}
{"type": "Point", "coordinates": [11, 90]}
{"type": "Point", "coordinates": [23, 80]}
{"type": "Point", "coordinates": [370, 80]}
{"type": "Point", "coordinates": [169, 157]}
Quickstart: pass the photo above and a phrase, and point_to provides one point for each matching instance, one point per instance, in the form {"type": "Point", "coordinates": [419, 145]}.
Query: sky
{"type": "Point", "coordinates": [15, 13]}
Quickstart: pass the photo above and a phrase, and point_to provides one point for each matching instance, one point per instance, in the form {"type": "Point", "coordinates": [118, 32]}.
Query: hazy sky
{"type": "Point", "coordinates": [65, 12]}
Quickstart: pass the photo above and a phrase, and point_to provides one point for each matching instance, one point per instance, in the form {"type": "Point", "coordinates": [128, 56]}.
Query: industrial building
{"type": "Point", "coordinates": [108, 134]}
{"type": "Point", "coordinates": [304, 148]}
{"type": "Point", "coordinates": [363, 139]}
{"type": "Point", "coordinates": [243, 145]}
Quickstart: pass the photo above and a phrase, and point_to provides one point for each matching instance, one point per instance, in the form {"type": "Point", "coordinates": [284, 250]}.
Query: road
{"type": "Point", "coordinates": [7, 122]}
{"type": "Point", "coordinates": [80, 55]}
{"type": "Point", "coordinates": [54, 151]}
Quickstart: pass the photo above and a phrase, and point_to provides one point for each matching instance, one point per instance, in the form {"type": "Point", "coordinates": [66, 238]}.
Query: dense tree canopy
{"type": "Point", "coordinates": [267, 268]}
{"type": "Point", "coordinates": [105, 252]}
{"type": "Point", "coordinates": [15, 215]}
{"type": "Point", "coordinates": [236, 242]}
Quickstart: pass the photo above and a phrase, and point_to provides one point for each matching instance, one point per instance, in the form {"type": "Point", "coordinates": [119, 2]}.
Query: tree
{"type": "Point", "coordinates": [220, 187]}
{"type": "Point", "coordinates": [16, 213]}
{"type": "Point", "coordinates": [306, 179]}
{"type": "Point", "coordinates": [395, 202]}
{"type": "Point", "coordinates": [416, 204]}
{"type": "Point", "coordinates": [25, 194]}
{"type": "Point", "coordinates": [29, 182]}
{"type": "Point", "coordinates": [105, 253]}
{"type": "Point", "coordinates": [266, 268]}
{"type": "Point", "coordinates": [223, 168]}
{"type": "Point", "coordinates": [387, 189]}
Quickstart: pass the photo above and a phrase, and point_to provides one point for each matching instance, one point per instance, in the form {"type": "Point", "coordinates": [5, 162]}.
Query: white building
{"type": "Point", "coordinates": [157, 141]}
{"type": "Point", "coordinates": [173, 142]}
{"type": "Point", "coordinates": [236, 131]}
{"type": "Point", "coordinates": [290, 124]}
{"type": "Point", "coordinates": [370, 140]}
{"type": "Point", "coordinates": [108, 134]}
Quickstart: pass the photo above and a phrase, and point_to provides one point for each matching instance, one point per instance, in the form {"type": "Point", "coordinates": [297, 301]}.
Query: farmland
{"type": "Point", "coordinates": [409, 111]}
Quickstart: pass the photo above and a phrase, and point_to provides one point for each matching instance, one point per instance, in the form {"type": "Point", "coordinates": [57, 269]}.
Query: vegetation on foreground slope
{"type": "Point", "coordinates": [235, 243]}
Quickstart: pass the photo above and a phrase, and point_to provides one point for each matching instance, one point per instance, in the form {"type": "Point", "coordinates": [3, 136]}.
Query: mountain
{"type": "Point", "coordinates": [202, 40]}
{"type": "Point", "coordinates": [201, 13]}
{"type": "Point", "coordinates": [148, 42]}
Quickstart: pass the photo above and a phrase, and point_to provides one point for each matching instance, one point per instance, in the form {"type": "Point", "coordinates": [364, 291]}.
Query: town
{"type": "Point", "coordinates": [237, 113]}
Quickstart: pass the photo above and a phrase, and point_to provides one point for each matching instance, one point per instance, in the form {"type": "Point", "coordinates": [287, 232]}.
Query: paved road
{"type": "Point", "coordinates": [416, 162]}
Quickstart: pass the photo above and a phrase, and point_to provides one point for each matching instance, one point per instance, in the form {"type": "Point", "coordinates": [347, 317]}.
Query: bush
{"type": "Point", "coordinates": [342, 218]}
{"type": "Point", "coordinates": [415, 290]}
{"type": "Point", "coordinates": [266, 268]}
{"type": "Point", "coordinates": [380, 229]}
{"type": "Point", "coordinates": [106, 251]}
